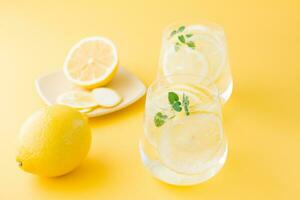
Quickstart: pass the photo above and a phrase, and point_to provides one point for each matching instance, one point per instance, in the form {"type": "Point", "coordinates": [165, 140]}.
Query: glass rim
{"type": "Point", "coordinates": [202, 22]}
{"type": "Point", "coordinates": [203, 84]}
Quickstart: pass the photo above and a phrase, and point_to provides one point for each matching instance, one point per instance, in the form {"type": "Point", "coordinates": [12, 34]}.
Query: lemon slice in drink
{"type": "Point", "coordinates": [184, 61]}
{"type": "Point", "coordinates": [160, 103]}
{"type": "Point", "coordinates": [92, 62]}
{"type": "Point", "coordinates": [77, 99]}
{"type": "Point", "coordinates": [162, 96]}
{"type": "Point", "coordinates": [188, 145]}
{"type": "Point", "coordinates": [195, 93]}
{"type": "Point", "coordinates": [211, 46]}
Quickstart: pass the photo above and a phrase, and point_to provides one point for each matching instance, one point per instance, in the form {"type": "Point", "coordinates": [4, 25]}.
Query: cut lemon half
{"type": "Point", "coordinates": [92, 62]}
{"type": "Point", "coordinates": [77, 99]}
{"type": "Point", "coordinates": [106, 97]}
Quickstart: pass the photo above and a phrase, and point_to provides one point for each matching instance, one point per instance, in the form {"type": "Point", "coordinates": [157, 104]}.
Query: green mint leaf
{"type": "Point", "coordinates": [191, 44]}
{"type": "Point", "coordinates": [177, 106]}
{"type": "Point", "coordinates": [177, 46]}
{"type": "Point", "coordinates": [181, 39]}
{"type": "Point", "coordinates": [181, 28]}
{"type": "Point", "coordinates": [186, 102]}
{"type": "Point", "coordinates": [160, 119]}
{"type": "Point", "coordinates": [189, 35]}
{"type": "Point", "coordinates": [173, 33]}
{"type": "Point", "coordinates": [173, 97]}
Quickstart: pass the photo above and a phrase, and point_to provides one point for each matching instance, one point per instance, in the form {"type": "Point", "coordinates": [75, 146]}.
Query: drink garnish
{"type": "Point", "coordinates": [174, 101]}
{"type": "Point", "coordinates": [176, 105]}
{"type": "Point", "coordinates": [160, 119]}
{"type": "Point", "coordinates": [186, 102]}
{"type": "Point", "coordinates": [183, 39]}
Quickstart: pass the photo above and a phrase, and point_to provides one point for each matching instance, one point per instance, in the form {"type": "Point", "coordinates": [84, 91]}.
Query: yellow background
{"type": "Point", "coordinates": [261, 120]}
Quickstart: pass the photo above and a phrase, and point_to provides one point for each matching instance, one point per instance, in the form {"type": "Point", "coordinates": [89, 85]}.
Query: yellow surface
{"type": "Point", "coordinates": [262, 119]}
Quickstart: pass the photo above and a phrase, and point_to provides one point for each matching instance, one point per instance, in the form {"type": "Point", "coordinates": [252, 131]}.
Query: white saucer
{"type": "Point", "coordinates": [125, 83]}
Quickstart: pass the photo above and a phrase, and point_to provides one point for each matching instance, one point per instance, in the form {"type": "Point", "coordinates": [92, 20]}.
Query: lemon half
{"type": "Point", "coordinates": [92, 62]}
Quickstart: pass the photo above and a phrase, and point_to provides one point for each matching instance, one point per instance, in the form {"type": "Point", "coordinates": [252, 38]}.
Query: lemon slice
{"type": "Point", "coordinates": [91, 62]}
{"type": "Point", "coordinates": [184, 61]}
{"type": "Point", "coordinates": [160, 100]}
{"type": "Point", "coordinates": [211, 44]}
{"type": "Point", "coordinates": [106, 97]}
{"type": "Point", "coordinates": [188, 145]}
{"type": "Point", "coordinates": [196, 94]}
{"type": "Point", "coordinates": [207, 60]}
{"type": "Point", "coordinates": [77, 99]}
{"type": "Point", "coordinates": [86, 110]}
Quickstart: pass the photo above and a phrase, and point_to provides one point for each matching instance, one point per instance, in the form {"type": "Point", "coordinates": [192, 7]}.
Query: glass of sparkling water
{"type": "Point", "coordinates": [198, 49]}
{"type": "Point", "coordinates": [183, 141]}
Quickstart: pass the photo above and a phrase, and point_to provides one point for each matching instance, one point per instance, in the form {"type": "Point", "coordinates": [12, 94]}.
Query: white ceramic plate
{"type": "Point", "coordinates": [125, 83]}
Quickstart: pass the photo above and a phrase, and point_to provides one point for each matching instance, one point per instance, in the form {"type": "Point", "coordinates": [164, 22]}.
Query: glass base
{"type": "Point", "coordinates": [161, 172]}
{"type": "Point", "coordinates": [227, 93]}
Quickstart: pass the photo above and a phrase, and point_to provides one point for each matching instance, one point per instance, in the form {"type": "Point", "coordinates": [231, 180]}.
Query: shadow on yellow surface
{"type": "Point", "coordinates": [93, 173]}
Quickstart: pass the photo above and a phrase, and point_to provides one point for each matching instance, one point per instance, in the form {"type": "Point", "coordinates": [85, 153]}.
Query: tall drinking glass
{"type": "Point", "coordinates": [183, 141]}
{"type": "Point", "coordinates": [198, 49]}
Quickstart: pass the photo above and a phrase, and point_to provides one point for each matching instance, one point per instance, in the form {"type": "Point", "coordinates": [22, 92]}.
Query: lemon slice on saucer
{"type": "Point", "coordinates": [92, 62]}
{"type": "Point", "coordinates": [86, 110]}
{"type": "Point", "coordinates": [77, 99]}
{"type": "Point", "coordinates": [106, 97]}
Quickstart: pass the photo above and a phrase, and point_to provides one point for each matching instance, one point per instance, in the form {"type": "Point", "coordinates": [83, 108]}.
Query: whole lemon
{"type": "Point", "coordinates": [53, 141]}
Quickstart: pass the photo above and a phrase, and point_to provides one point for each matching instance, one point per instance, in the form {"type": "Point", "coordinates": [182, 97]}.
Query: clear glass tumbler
{"type": "Point", "coordinates": [183, 141]}
{"type": "Point", "coordinates": [198, 49]}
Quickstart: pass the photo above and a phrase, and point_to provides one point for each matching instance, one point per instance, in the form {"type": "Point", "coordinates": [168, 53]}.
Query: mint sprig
{"type": "Point", "coordinates": [186, 102]}
{"type": "Point", "coordinates": [191, 44]}
{"type": "Point", "coordinates": [160, 119]}
{"type": "Point", "coordinates": [181, 29]}
{"type": "Point", "coordinates": [173, 33]}
{"type": "Point", "coordinates": [176, 104]}
{"type": "Point", "coordinates": [183, 39]}
{"type": "Point", "coordinates": [174, 101]}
